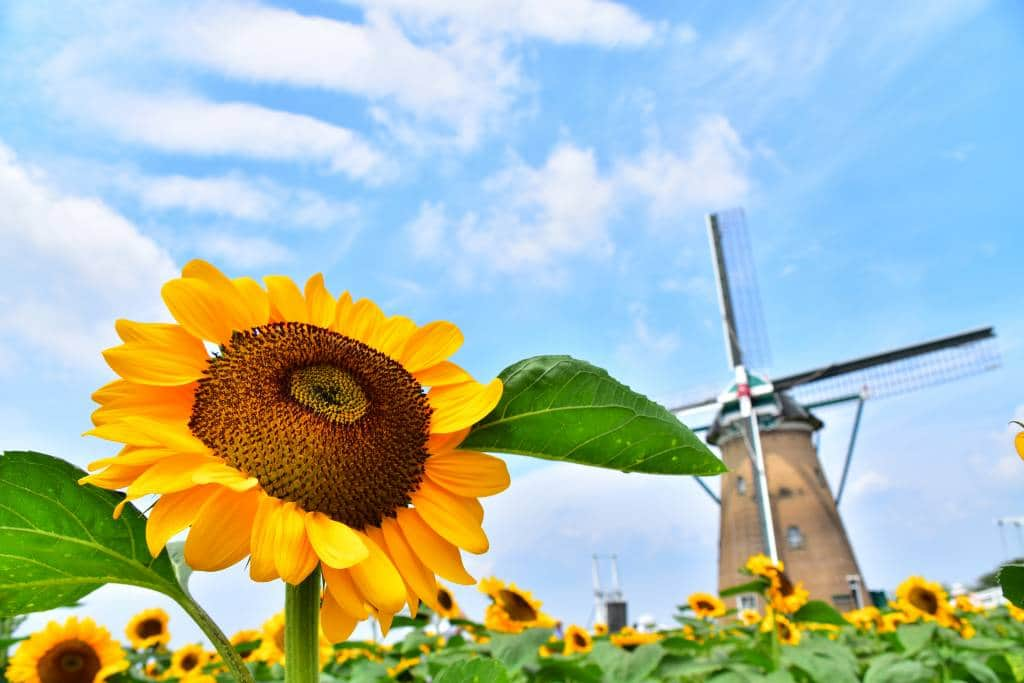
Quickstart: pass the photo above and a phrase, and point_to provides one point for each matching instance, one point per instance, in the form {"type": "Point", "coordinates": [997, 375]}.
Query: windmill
{"type": "Point", "coordinates": [775, 498]}
{"type": "Point", "coordinates": [609, 604]}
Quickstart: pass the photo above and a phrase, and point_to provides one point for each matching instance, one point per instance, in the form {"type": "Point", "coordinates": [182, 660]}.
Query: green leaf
{"type": "Point", "coordinates": [560, 408]}
{"type": "Point", "coordinates": [515, 650]}
{"type": "Point", "coordinates": [824, 661]}
{"type": "Point", "coordinates": [473, 671]}
{"type": "Point", "coordinates": [755, 586]}
{"type": "Point", "coordinates": [60, 542]}
{"type": "Point", "coordinates": [977, 670]}
{"type": "Point", "coordinates": [566, 671]}
{"type": "Point", "coordinates": [913, 637]}
{"type": "Point", "coordinates": [891, 668]}
{"type": "Point", "coordinates": [1011, 578]}
{"type": "Point", "coordinates": [819, 612]}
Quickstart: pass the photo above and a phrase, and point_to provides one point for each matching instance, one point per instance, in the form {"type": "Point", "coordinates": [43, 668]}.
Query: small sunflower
{"type": "Point", "coordinates": [77, 652]}
{"type": "Point", "coordinates": [630, 639]}
{"type": "Point", "coordinates": [865, 618]}
{"type": "Point", "coordinates": [786, 597]}
{"type": "Point", "coordinates": [600, 629]}
{"type": "Point", "coordinates": [762, 565]}
{"type": "Point", "coordinates": [152, 669]}
{"type": "Point", "coordinates": [187, 660]}
{"type": "Point", "coordinates": [965, 604]}
{"type": "Point", "coordinates": [308, 438]}
{"type": "Point", "coordinates": [512, 610]}
{"type": "Point", "coordinates": [706, 606]}
{"type": "Point", "coordinates": [788, 633]}
{"type": "Point", "coordinates": [749, 617]}
{"type": "Point", "coordinates": [925, 599]}
{"type": "Point", "coordinates": [577, 640]}
{"type": "Point", "coordinates": [271, 649]}
{"type": "Point", "coordinates": [1015, 612]}
{"type": "Point", "coordinates": [398, 671]}
{"type": "Point", "coordinates": [148, 629]}
{"type": "Point", "coordinates": [890, 620]}
{"type": "Point", "coordinates": [1018, 439]}
{"type": "Point", "coordinates": [446, 604]}
{"type": "Point", "coordinates": [251, 639]}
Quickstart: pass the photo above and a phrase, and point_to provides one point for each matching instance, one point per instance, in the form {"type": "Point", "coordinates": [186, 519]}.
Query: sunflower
{"type": "Point", "coordinates": [890, 620]}
{"type": "Point", "coordinates": [1015, 612]}
{"type": "Point", "coordinates": [788, 633]}
{"type": "Point", "coordinates": [630, 639]}
{"type": "Point", "coordinates": [965, 604]}
{"type": "Point", "coordinates": [762, 565]}
{"type": "Point", "coordinates": [865, 618]}
{"type": "Point", "coordinates": [749, 617]}
{"type": "Point", "coordinates": [271, 637]}
{"type": "Point", "coordinates": [706, 606]}
{"type": "Point", "coordinates": [251, 639]}
{"type": "Point", "coordinates": [398, 670]}
{"type": "Point", "coordinates": [189, 659]}
{"type": "Point", "coordinates": [447, 607]}
{"type": "Point", "coordinates": [576, 640]}
{"type": "Point", "coordinates": [308, 438]}
{"type": "Point", "coordinates": [1018, 439]}
{"type": "Point", "coordinates": [148, 629]}
{"type": "Point", "coordinates": [924, 599]}
{"type": "Point", "coordinates": [600, 629]}
{"type": "Point", "coordinates": [152, 669]}
{"type": "Point", "coordinates": [512, 610]}
{"type": "Point", "coordinates": [77, 652]}
{"type": "Point", "coordinates": [786, 597]}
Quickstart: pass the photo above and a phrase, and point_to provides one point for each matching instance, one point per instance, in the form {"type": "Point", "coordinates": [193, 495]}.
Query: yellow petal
{"type": "Point", "coordinates": [392, 335]}
{"type": "Point", "coordinates": [170, 475]}
{"type": "Point", "coordinates": [220, 533]}
{"type": "Point", "coordinates": [431, 344]}
{"type": "Point", "coordinates": [114, 476]}
{"type": "Point", "coordinates": [385, 619]}
{"type": "Point", "coordinates": [172, 513]}
{"type": "Point", "coordinates": [159, 334]}
{"type": "Point", "coordinates": [337, 625]}
{"type": "Point", "coordinates": [442, 374]}
{"type": "Point", "coordinates": [225, 475]}
{"type": "Point", "coordinates": [468, 473]}
{"type": "Point", "coordinates": [155, 365]}
{"type": "Point", "coordinates": [437, 554]}
{"type": "Point", "coordinates": [126, 400]}
{"type": "Point", "coordinates": [452, 516]}
{"type": "Point", "coordinates": [345, 592]}
{"type": "Point", "coordinates": [363, 321]}
{"type": "Point", "coordinates": [195, 305]}
{"type": "Point", "coordinates": [335, 543]}
{"type": "Point", "coordinates": [134, 456]}
{"type": "Point", "coordinates": [419, 579]}
{"type": "Point", "coordinates": [378, 580]}
{"type": "Point", "coordinates": [319, 302]}
{"type": "Point", "coordinates": [138, 431]}
{"type": "Point", "coordinates": [286, 301]}
{"type": "Point", "coordinates": [462, 405]}
{"type": "Point", "coordinates": [294, 557]}
{"type": "Point", "coordinates": [444, 443]}
{"type": "Point", "coordinates": [342, 313]}
{"type": "Point", "coordinates": [242, 314]}
{"type": "Point", "coordinates": [262, 540]}
{"type": "Point", "coordinates": [256, 300]}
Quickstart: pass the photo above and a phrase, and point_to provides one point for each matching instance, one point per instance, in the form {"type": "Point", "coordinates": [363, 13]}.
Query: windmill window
{"type": "Point", "coordinates": [741, 486]}
{"type": "Point", "coordinates": [785, 492]}
{"type": "Point", "coordinates": [794, 537]}
{"type": "Point", "coordinates": [746, 601]}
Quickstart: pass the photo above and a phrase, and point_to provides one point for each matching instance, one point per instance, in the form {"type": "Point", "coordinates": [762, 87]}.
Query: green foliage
{"type": "Point", "coordinates": [818, 612]}
{"type": "Point", "coordinates": [1011, 578]}
{"type": "Point", "coordinates": [560, 408]}
{"type": "Point", "coordinates": [758, 585]}
{"type": "Point", "coordinates": [474, 671]}
{"type": "Point", "coordinates": [60, 541]}
{"type": "Point", "coordinates": [914, 637]}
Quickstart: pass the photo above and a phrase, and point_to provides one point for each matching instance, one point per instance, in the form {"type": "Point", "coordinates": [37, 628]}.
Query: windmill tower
{"type": "Point", "coordinates": [775, 498]}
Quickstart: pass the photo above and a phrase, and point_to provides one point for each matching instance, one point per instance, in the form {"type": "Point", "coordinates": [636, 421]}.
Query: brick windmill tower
{"type": "Point", "coordinates": [775, 498]}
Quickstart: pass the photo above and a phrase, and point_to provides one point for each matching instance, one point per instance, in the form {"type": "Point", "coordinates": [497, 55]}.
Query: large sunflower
{"type": "Point", "coordinates": [513, 610]}
{"type": "Point", "coordinates": [786, 597]}
{"type": "Point", "coordinates": [188, 661]}
{"type": "Point", "coordinates": [577, 640]}
{"type": "Point", "coordinates": [308, 438]}
{"type": "Point", "coordinates": [924, 599]}
{"type": "Point", "coordinates": [148, 629]}
{"type": "Point", "coordinates": [706, 606]}
{"type": "Point", "coordinates": [77, 652]}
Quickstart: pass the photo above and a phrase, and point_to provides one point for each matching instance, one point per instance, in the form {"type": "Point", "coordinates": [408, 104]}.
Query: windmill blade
{"type": "Point", "coordinates": [742, 319]}
{"type": "Point", "coordinates": [896, 371]}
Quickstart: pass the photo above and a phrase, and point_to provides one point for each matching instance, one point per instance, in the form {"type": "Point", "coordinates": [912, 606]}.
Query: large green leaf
{"type": "Point", "coordinates": [758, 585]}
{"type": "Point", "coordinates": [473, 671]}
{"type": "Point", "coordinates": [819, 612]}
{"type": "Point", "coordinates": [1011, 578]}
{"type": "Point", "coordinates": [518, 650]}
{"type": "Point", "coordinates": [914, 637]}
{"type": "Point", "coordinates": [560, 408]}
{"type": "Point", "coordinates": [58, 541]}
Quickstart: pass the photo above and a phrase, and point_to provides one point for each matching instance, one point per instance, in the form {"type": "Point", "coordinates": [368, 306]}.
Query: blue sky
{"type": "Point", "coordinates": [538, 173]}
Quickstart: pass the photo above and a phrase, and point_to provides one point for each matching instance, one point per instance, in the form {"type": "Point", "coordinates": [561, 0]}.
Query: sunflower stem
{"type": "Point", "coordinates": [302, 630]}
{"type": "Point", "coordinates": [227, 651]}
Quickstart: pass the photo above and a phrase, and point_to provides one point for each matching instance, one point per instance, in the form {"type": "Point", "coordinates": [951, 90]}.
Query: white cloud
{"type": "Point", "coordinates": [242, 252]}
{"type": "Point", "coordinates": [426, 232]}
{"type": "Point", "coordinates": [870, 482]}
{"type": "Point", "coordinates": [596, 22]}
{"type": "Point", "coordinates": [711, 173]}
{"type": "Point", "coordinates": [188, 124]}
{"type": "Point", "coordinates": [70, 265]}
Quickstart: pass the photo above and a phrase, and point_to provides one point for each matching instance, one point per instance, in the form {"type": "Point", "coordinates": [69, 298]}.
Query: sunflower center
{"type": "Point", "coordinates": [279, 638]}
{"type": "Point", "coordinates": [705, 606]}
{"type": "Point", "coordinates": [924, 600]}
{"type": "Point", "coordinates": [149, 627]}
{"type": "Point", "coordinates": [72, 661]}
{"type": "Point", "coordinates": [516, 606]}
{"type": "Point", "coordinates": [318, 418]}
{"type": "Point", "coordinates": [578, 638]}
{"type": "Point", "coordinates": [444, 599]}
{"type": "Point", "coordinates": [786, 587]}
{"type": "Point", "coordinates": [189, 662]}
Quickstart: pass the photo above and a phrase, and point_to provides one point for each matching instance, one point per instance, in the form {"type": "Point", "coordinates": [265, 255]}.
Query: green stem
{"type": "Point", "coordinates": [302, 630]}
{"type": "Point", "coordinates": [220, 641]}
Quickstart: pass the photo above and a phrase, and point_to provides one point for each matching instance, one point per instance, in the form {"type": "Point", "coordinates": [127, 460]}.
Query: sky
{"type": "Point", "coordinates": [538, 172]}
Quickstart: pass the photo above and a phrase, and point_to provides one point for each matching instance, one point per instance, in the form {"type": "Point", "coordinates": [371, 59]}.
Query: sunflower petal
{"type": "Point", "coordinates": [437, 554]}
{"type": "Point", "coordinates": [444, 443]}
{"type": "Point", "coordinates": [139, 431]}
{"type": "Point", "coordinates": [220, 533]}
{"type": "Point", "coordinates": [337, 624]}
{"type": "Point", "coordinates": [170, 475]}
{"type": "Point", "coordinates": [468, 473]}
{"type": "Point", "coordinates": [134, 456]}
{"type": "Point", "coordinates": [462, 405]}
{"type": "Point", "coordinates": [345, 592]}
{"type": "Point", "coordinates": [145, 363]}
{"type": "Point", "coordinates": [419, 579]}
{"type": "Point", "coordinates": [172, 513]}
{"type": "Point", "coordinates": [160, 334]}
{"type": "Point", "coordinates": [431, 344]}
{"type": "Point", "coordinates": [195, 305]}
{"type": "Point", "coordinates": [320, 304]}
{"type": "Point", "coordinates": [286, 301]}
{"type": "Point", "coordinates": [363, 321]}
{"type": "Point", "coordinates": [115, 476]}
{"type": "Point", "coordinates": [256, 300]}
{"type": "Point", "coordinates": [392, 335]}
{"type": "Point", "coordinates": [453, 517]}
{"type": "Point", "coordinates": [335, 543]}
{"type": "Point", "coordinates": [378, 580]}
{"type": "Point", "coordinates": [160, 403]}
{"type": "Point", "coordinates": [242, 313]}
{"type": "Point", "coordinates": [442, 374]}
{"type": "Point", "coordinates": [294, 558]}
{"type": "Point", "coordinates": [262, 540]}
